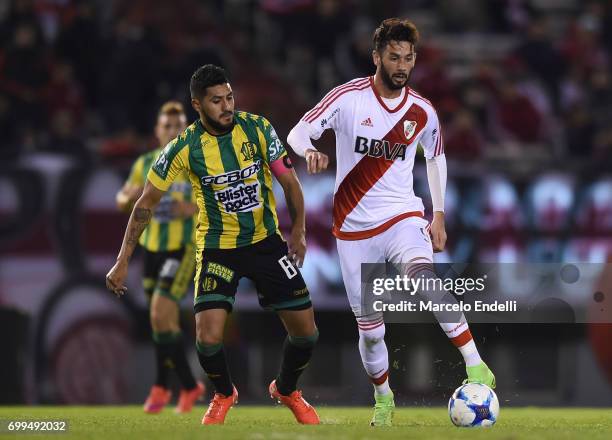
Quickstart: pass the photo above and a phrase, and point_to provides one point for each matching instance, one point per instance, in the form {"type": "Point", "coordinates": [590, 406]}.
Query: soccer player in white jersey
{"type": "Point", "coordinates": [379, 122]}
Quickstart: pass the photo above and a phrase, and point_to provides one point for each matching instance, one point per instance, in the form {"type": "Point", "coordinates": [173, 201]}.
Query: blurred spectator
{"type": "Point", "coordinates": [573, 89]}
{"type": "Point", "coordinates": [329, 23]}
{"type": "Point", "coordinates": [63, 93]}
{"type": "Point", "coordinates": [24, 74]}
{"type": "Point", "coordinates": [64, 137]}
{"type": "Point", "coordinates": [516, 116]}
{"type": "Point", "coordinates": [580, 131]}
{"type": "Point", "coordinates": [476, 97]}
{"type": "Point", "coordinates": [431, 79]}
{"type": "Point", "coordinates": [131, 76]}
{"type": "Point", "coordinates": [79, 41]}
{"type": "Point", "coordinates": [600, 96]}
{"type": "Point", "coordinates": [20, 12]}
{"type": "Point", "coordinates": [7, 124]}
{"type": "Point", "coordinates": [354, 51]}
{"type": "Point", "coordinates": [459, 15]}
{"type": "Point", "coordinates": [463, 139]}
{"type": "Point", "coordinates": [102, 69]}
{"type": "Point", "coordinates": [538, 52]}
{"type": "Point", "coordinates": [504, 16]}
{"type": "Point", "coordinates": [582, 50]}
{"type": "Point", "coordinates": [602, 151]}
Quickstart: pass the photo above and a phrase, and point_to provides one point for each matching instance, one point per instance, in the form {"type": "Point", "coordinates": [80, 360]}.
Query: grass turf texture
{"type": "Point", "coordinates": [251, 422]}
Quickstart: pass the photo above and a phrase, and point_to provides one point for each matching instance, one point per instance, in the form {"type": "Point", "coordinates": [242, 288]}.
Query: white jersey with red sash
{"type": "Point", "coordinates": [375, 151]}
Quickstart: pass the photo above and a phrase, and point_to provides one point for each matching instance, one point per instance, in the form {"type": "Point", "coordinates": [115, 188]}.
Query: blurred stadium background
{"type": "Point", "coordinates": [524, 92]}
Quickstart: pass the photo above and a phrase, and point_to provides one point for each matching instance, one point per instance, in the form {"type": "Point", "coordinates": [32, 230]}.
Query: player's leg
{"type": "Point", "coordinates": [280, 287]}
{"type": "Point", "coordinates": [210, 325]}
{"type": "Point", "coordinates": [371, 327]}
{"type": "Point", "coordinates": [216, 282]}
{"type": "Point", "coordinates": [165, 311]}
{"type": "Point", "coordinates": [159, 394]}
{"type": "Point", "coordinates": [409, 242]}
{"type": "Point", "coordinates": [302, 336]}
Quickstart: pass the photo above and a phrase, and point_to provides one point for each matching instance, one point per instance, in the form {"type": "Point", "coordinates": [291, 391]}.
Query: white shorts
{"type": "Point", "coordinates": [404, 242]}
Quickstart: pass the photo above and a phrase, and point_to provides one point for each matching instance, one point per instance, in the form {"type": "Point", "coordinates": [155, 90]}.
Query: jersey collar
{"type": "Point", "coordinates": [382, 102]}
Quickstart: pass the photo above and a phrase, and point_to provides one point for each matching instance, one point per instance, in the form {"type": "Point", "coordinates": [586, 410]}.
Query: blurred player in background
{"type": "Point", "coordinates": [169, 262]}
{"type": "Point", "coordinates": [230, 157]}
{"type": "Point", "coordinates": [379, 122]}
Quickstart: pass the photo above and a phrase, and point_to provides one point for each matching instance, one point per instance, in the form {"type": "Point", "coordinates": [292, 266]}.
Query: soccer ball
{"type": "Point", "coordinates": [473, 404]}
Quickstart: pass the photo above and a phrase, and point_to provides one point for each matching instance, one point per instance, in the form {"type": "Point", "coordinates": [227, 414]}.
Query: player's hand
{"type": "Point", "coordinates": [316, 161]}
{"type": "Point", "coordinates": [115, 278]}
{"type": "Point", "coordinates": [297, 247]}
{"type": "Point", "coordinates": [438, 232]}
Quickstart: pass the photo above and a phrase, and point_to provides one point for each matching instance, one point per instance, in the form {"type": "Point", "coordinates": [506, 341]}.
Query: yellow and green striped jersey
{"type": "Point", "coordinates": [231, 178]}
{"type": "Point", "coordinates": [164, 232]}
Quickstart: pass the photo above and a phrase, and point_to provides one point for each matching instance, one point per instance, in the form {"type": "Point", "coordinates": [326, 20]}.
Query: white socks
{"type": "Point", "coordinates": [458, 332]}
{"type": "Point", "coordinates": [373, 351]}
{"type": "Point", "coordinates": [470, 354]}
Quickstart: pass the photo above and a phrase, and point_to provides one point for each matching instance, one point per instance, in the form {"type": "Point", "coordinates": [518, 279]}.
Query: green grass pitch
{"type": "Point", "coordinates": [276, 423]}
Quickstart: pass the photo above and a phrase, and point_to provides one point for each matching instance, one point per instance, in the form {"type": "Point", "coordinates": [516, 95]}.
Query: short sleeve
{"type": "Point", "coordinates": [136, 176]}
{"type": "Point", "coordinates": [170, 163]}
{"type": "Point", "coordinates": [431, 139]}
{"type": "Point", "coordinates": [274, 147]}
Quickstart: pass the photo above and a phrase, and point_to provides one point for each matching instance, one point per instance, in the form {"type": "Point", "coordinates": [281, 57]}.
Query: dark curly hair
{"type": "Point", "coordinates": [394, 29]}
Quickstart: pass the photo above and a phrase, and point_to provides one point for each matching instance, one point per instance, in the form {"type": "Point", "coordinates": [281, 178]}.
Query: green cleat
{"type": "Point", "coordinates": [480, 374]}
{"type": "Point", "coordinates": [383, 410]}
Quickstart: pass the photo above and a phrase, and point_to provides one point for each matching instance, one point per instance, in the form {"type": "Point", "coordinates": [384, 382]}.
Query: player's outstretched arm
{"type": "Point", "coordinates": [141, 215]}
{"type": "Point", "coordinates": [299, 139]}
{"type": "Point", "coordinates": [295, 203]}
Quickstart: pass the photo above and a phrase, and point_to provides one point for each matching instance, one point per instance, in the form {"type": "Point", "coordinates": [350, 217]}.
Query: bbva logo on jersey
{"type": "Point", "coordinates": [380, 148]}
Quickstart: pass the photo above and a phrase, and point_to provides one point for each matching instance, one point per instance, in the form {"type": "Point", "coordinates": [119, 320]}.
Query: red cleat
{"type": "Point", "coordinates": [188, 398]}
{"type": "Point", "coordinates": [218, 408]}
{"type": "Point", "coordinates": [304, 413]}
{"type": "Point", "coordinates": [157, 399]}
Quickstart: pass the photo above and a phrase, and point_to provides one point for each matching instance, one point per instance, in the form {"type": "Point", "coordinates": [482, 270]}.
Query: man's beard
{"type": "Point", "coordinates": [389, 81]}
{"type": "Point", "coordinates": [217, 126]}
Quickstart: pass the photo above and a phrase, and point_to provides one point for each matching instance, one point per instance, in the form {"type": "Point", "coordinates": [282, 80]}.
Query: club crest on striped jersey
{"type": "Point", "coordinates": [409, 129]}
{"type": "Point", "coordinates": [248, 150]}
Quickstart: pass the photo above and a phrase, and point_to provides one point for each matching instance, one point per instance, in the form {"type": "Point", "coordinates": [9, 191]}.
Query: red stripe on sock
{"type": "Point", "coordinates": [370, 326]}
{"type": "Point", "coordinates": [462, 339]}
{"type": "Point", "coordinates": [380, 380]}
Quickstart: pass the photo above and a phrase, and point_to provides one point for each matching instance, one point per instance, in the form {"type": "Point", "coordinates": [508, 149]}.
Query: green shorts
{"type": "Point", "coordinates": [279, 283]}
{"type": "Point", "coordinates": [168, 273]}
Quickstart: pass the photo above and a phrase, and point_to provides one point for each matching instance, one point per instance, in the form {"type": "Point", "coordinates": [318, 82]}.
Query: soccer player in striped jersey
{"type": "Point", "coordinates": [230, 157]}
{"type": "Point", "coordinates": [169, 262]}
{"type": "Point", "coordinates": [379, 122]}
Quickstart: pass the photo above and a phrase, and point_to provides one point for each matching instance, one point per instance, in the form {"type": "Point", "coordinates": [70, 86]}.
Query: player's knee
{"type": "Point", "coordinates": [305, 341]}
{"type": "Point", "coordinates": [208, 336]}
{"type": "Point", "coordinates": [156, 319]}
{"type": "Point", "coordinates": [208, 339]}
{"type": "Point", "coordinates": [161, 320]}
